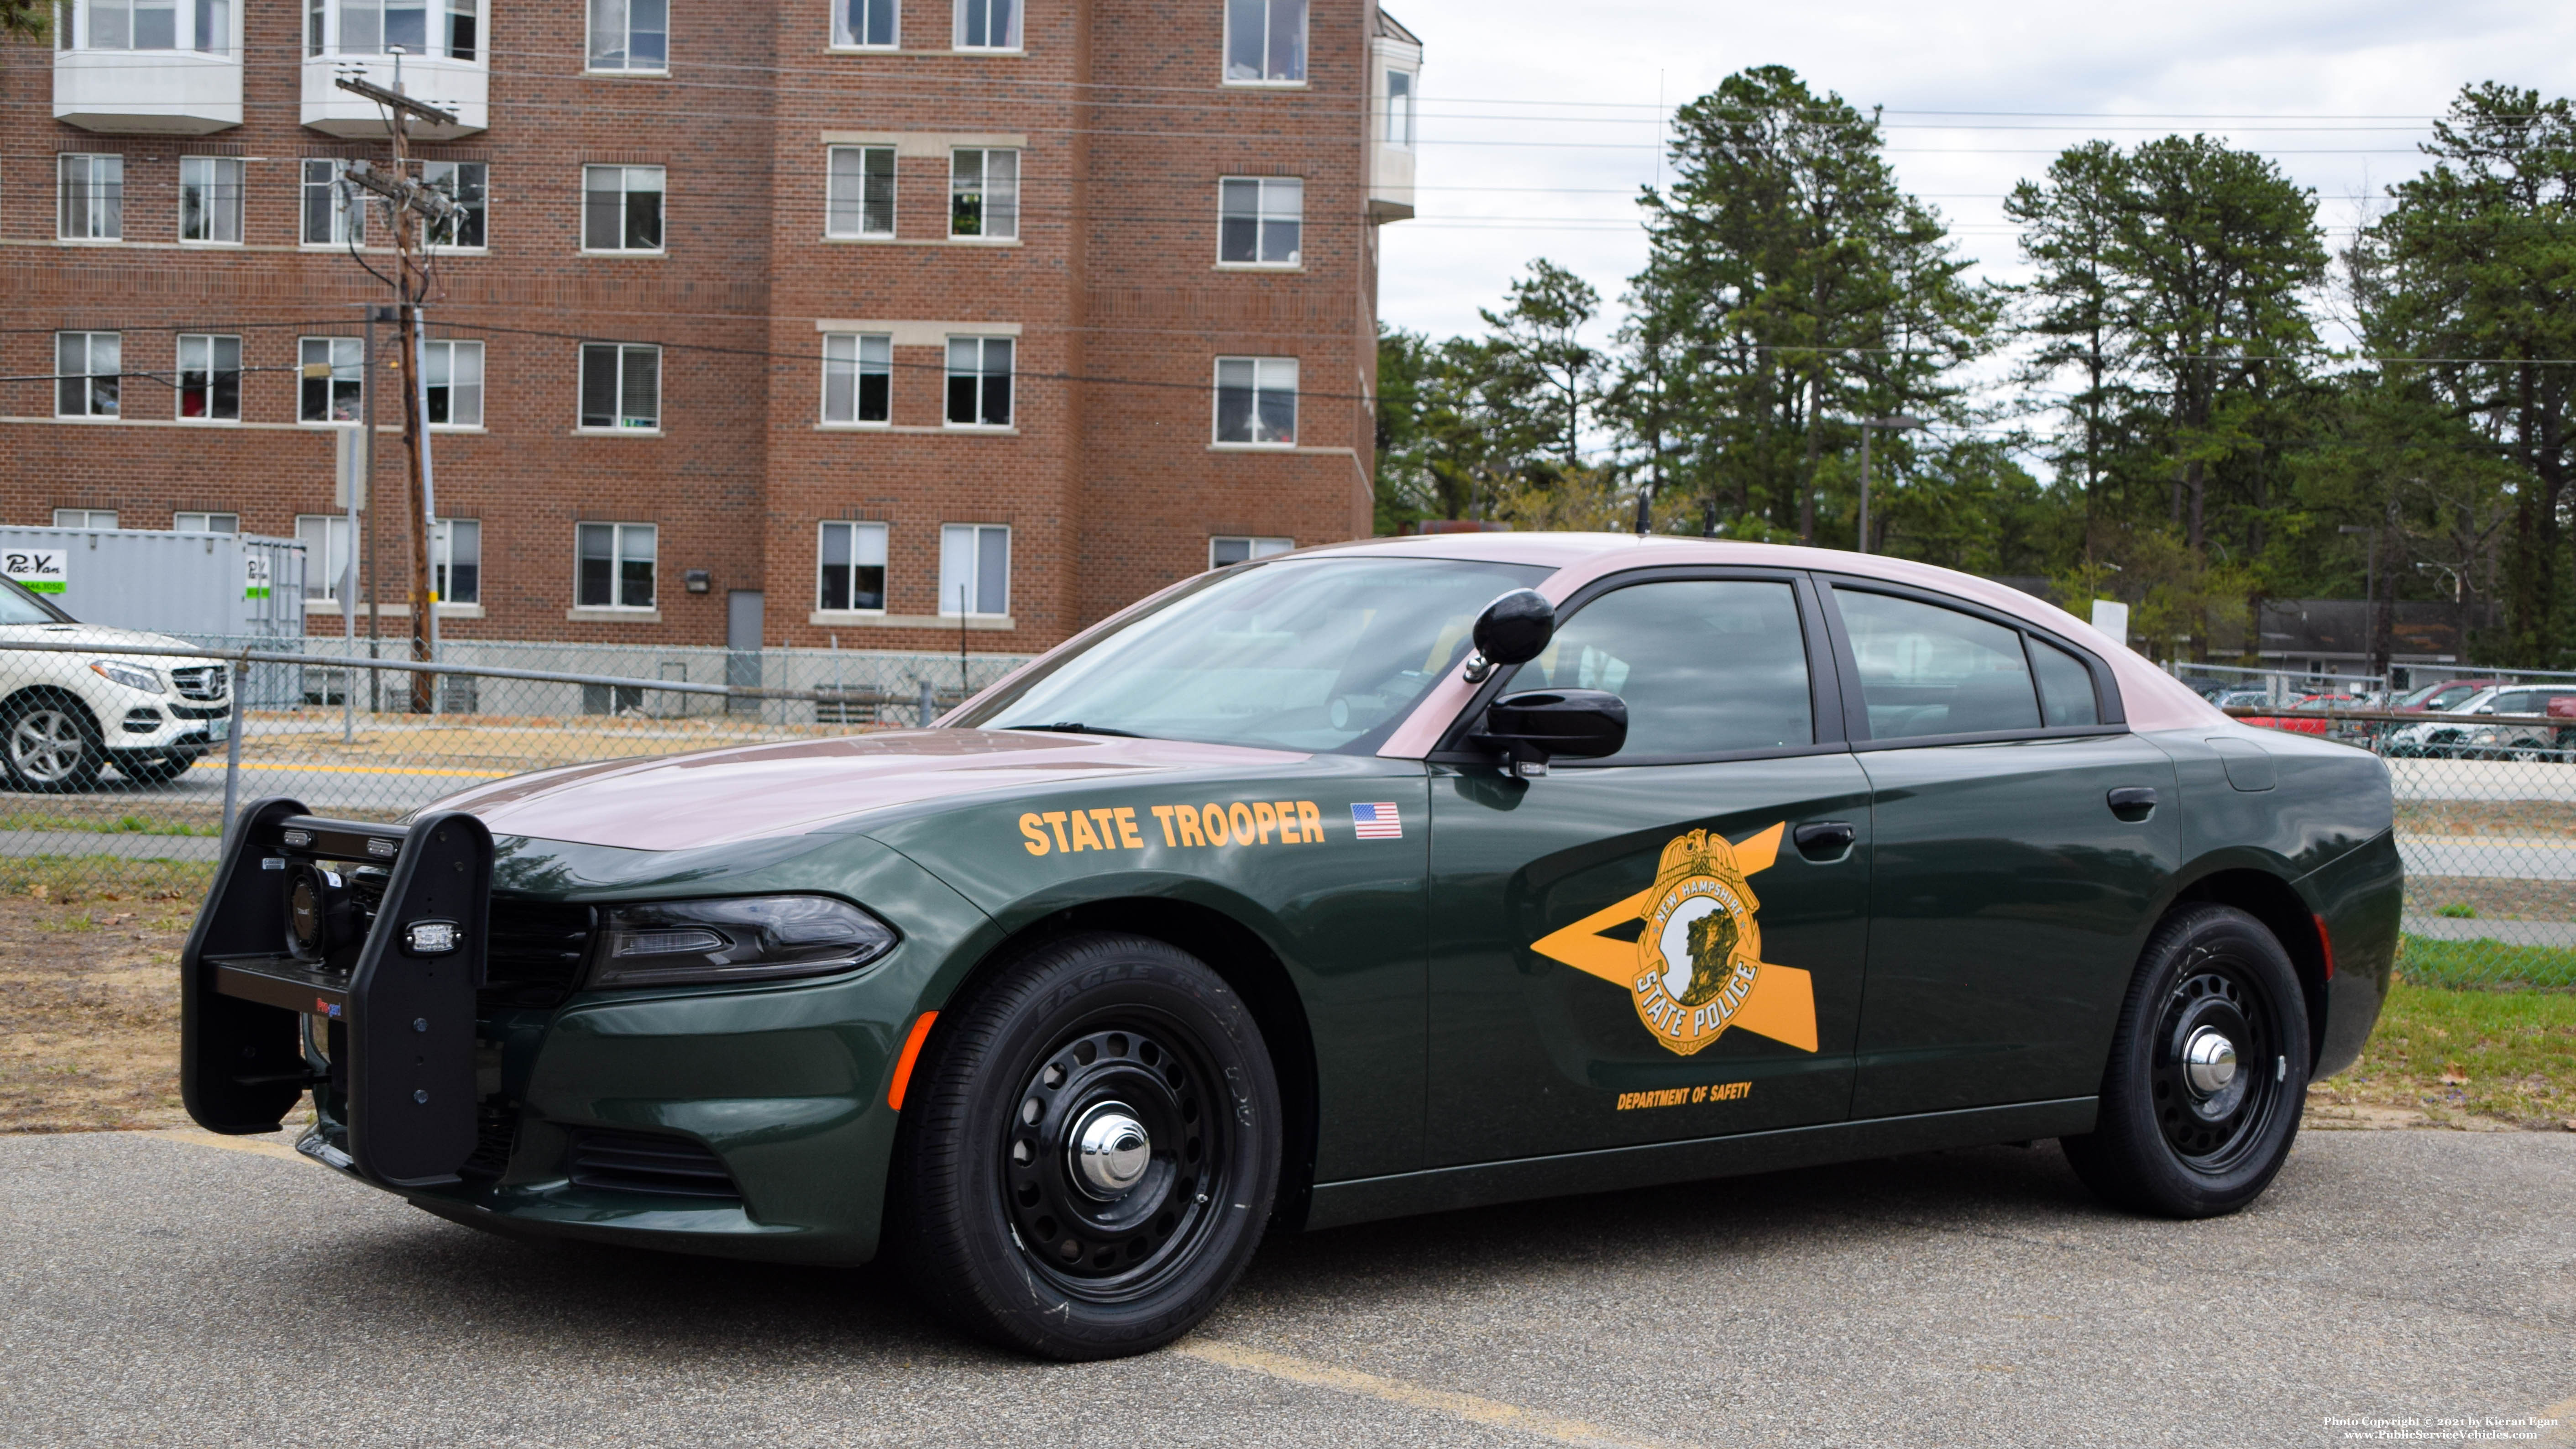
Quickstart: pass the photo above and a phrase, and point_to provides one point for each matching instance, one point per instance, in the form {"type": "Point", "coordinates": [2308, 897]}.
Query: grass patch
{"type": "Point", "coordinates": [2459, 911]}
{"type": "Point", "coordinates": [2502, 1054]}
{"type": "Point", "coordinates": [2424, 961]}
{"type": "Point", "coordinates": [126, 824]}
{"type": "Point", "coordinates": [71, 880]}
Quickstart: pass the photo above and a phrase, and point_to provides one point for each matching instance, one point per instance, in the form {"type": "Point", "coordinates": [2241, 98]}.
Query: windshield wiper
{"type": "Point", "coordinates": [1076, 727]}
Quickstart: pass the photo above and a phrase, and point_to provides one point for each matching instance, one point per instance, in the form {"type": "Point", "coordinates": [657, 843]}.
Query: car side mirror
{"type": "Point", "coordinates": [1536, 725]}
{"type": "Point", "coordinates": [1514, 629]}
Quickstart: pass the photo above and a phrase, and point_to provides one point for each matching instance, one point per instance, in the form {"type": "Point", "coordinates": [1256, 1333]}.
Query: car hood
{"type": "Point", "coordinates": [746, 792]}
{"type": "Point", "coordinates": [100, 636]}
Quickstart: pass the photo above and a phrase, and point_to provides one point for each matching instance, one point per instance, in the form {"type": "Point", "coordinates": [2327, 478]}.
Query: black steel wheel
{"type": "Point", "coordinates": [50, 744]}
{"type": "Point", "coordinates": [2208, 1070]}
{"type": "Point", "coordinates": [1088, 1151]}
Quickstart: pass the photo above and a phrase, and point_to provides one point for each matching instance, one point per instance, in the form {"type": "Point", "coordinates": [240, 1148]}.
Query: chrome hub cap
{"type": "Point", "coordinates": [2214, 1111]}
{"type": "Point", "coordinates": [1110, 1150]}
{"type": "Point", "coordinates": [2208, 1062]}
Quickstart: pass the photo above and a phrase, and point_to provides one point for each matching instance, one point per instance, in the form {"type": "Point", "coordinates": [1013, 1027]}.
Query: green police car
{"type": "Point", "coordinates": [1381, 878]}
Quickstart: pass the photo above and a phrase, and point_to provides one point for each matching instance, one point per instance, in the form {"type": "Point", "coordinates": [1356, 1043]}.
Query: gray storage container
{"type": "Point", "coordinates": [239, 585]}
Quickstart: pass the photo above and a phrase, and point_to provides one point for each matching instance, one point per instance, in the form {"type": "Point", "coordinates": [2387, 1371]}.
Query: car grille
{"type": "Point", "coordinates": [637, 1162]}
{"type": "Point", "coordinates": [200, 711]}
{"type": "Point", "coordinates": [536, 952]}
{"type": "Point", "coordinates": [200, 681]}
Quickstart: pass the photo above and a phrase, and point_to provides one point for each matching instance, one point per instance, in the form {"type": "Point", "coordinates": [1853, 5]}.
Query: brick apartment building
{"type": "Point", "coordinates": [760, 321]}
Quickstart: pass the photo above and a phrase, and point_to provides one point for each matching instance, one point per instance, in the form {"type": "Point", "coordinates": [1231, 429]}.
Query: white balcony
{"type": "Point", "coordinates": [147, 92]}
{"type": "Point", "coordinates": [463, 87]}
{"type": "Point", "coordinates": [1395, 85]}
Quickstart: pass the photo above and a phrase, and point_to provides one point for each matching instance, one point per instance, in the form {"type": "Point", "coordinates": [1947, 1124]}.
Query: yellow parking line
{"type": "Point", "coordinates": [199, 1137]}
{"type": "Point", "coordinates": [1492, 1413]}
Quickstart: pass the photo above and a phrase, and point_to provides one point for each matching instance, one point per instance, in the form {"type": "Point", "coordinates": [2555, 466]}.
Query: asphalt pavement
{"type": "Point", "coordinates": [162, 1289]}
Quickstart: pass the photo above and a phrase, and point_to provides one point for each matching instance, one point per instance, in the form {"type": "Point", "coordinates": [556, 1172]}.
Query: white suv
{"type": "Point", "coordinates": [65, 716]}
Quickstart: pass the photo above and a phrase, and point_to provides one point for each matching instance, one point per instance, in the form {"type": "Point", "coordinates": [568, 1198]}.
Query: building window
{"type": "Point", "coordinates": [1399, 108]}
{"type": "Point", "coordinates": [858, 377]}
{"type": "Point", "coordinates": [210, 371]}
{"type": "Point", "coordinates": [984, 194]}
{"type": "Point", "coordinates": [333, 214]}
{"type": "Point", "coordinates": [86, 373]}
{"type": "Point", "coordinates": [205, 523]}
{"type": "Point", "coordinates": [621, 385]}
{"type": "Point", "coordinates": [988, 24]}
{"type": "Point", "coordinates": [974, 569]}
{"type": "Point", "coordinates": [199, 25]}
{"type": "Point", "coordinates": [93, 198]}
{"type": "Point", "coordinates": [859, 196]}
{"type": "Point", "coordinates": [333, 378]}
{"type": "Point", "coordinates": [1256, 400]}
{"type": "Point", "coordinates": [1225, 549]}
{"type": "Point", "coordinates": [84, 518]}
{"type": "Point", "coordinates": [210, 199]}
{"type": "Point", "coordinates": [979, 382]}
{"type": "Point", "coordinates": [374, 27]}
{"type": "Point", "coordinates": [630, 34]}
{"type": "Point", "coordinates": [1259, 219]}
{"type": "Point", "coordinates": [1265, 42]}
{"type": "Point", "coordinates": [853, 558]}
{"type": "Point", "coordinates": [869, 23]}
{"type": "Point", "coordinates": [616, 566]}
{"type": "Point", "coordinates": [456, 561]}
{"type": "Point", "coordinates": [621, 208]}
{"type": "Point", "coordinates": [452, 374]}
{"type": "Point", "coordinates": [466, 183]}
{"type": "Point", "coordinates": [325, 537]}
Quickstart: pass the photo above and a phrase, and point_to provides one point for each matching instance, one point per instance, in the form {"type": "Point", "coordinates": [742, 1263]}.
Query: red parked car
{"type": "Point", "coordinates": [2298, 725]}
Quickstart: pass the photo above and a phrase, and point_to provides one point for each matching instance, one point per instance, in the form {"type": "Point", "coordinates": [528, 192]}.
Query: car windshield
{"type": "Point", "coordinates": [19, 606]}
{"type": "Point", "coordinates": [1306, 654]}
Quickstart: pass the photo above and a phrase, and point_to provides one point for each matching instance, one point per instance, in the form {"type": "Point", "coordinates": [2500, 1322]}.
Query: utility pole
{"type": "Point", "coordinates": [2373, 661]}
{"type": "Point", "coordinates": [1897, 422]}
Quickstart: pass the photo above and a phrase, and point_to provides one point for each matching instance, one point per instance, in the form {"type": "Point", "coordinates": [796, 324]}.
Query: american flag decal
{"type": "Point", "coordinates": [1377, 822]}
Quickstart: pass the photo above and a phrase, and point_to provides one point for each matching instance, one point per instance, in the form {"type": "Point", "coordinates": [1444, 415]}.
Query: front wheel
{"type": "Point", "coordinates": [50, 746]}
{"type": "Point", "coordinates": [2208, 1071]}
{"type": "Point", "coordinates": [1088, 1150]}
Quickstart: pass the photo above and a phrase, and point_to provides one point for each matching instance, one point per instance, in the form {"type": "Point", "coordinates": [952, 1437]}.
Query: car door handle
{"type": "Point", "coordinates": [2133, 802]}
{"type": "Point", "coordinates": [1824, 840]}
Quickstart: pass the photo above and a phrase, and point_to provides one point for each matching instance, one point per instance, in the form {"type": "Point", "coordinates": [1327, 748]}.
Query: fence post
{"type": "Point", "coordinates": [232, 744]}
{"type": "Point", "coordinates": [929, 704]}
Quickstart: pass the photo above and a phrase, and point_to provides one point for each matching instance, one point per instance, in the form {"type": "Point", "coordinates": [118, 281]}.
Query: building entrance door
{"type": "Point", "coordinates": [743, 616]}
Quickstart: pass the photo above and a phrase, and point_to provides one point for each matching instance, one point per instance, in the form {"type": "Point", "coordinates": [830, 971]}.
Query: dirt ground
{"type": "Point", "coordinates": [89, 1008]}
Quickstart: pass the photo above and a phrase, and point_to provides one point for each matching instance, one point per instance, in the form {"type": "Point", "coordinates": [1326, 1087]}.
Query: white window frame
{"type": "Point", "coordinates": [980, 371]}
{"type": "Point", "coordinates": [442, 558]}
{"type": "Point", "coordinates": [1266, 209]}
{"type": "Point", "coordinates": [617, 560]}
{"type": "Point", "coordinates": [326, 30]}
{"type": "Point", "coordinates": [189, 520]}
{"type": "Point", "coordinates": [857, 356]}
{"type": "Point", "coordinates": [454, 173]}
{"type": "Point", "coordinates": [218, 193]}
{"type": "Point", "coordinates": [591, 12]}
{"type": "Point", "coordinates": [202, 26]}
{"type": "Point", "coordinates": [844, 34]}
{"type": "Point", "coordinates": [836, 203]}
{"type": "Point", "coordinates": [211, 344]}
{"type": "Point", "coordinates": [337, 353]}
{"type": "Point", "coordinates": [89, 374]}
{"type": "Point", "coordinates": [985, 191]}
{"type": "Point", "coordinates": [966, 11]}
{"type": "Point", "coordinates": [101, 200]}
{"type": "Point", "coordinates": [348, 210]}
{"type": "Point", "coordinates": [1305, 57]}
{"type": "Point", "coordinates": [442, 359]}
{"type": "Point", "coordinates": [626, 188]}
{"type": "Point", "coordinates": [1254, 546]}
{"type": "Point", "coordinates": [84, 518]}
{"type": "Point", "coordinates": [1399, 118]}
{"type": "Point", "coordinates": [625, 352]}
{"type": "Point", "coordinates": [974, 538]}
{"type": "Point", "coordinates": [854, 531]}
{"type": "Point", "coordinates": [325, 537]}
{"type": "Point", "coordinates": [1265, 374]}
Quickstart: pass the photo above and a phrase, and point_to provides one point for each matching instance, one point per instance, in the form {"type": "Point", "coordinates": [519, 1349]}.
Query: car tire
{"type": "Point", "coordinates": [2178, 1135]}
{"type": "Point", "coordinates": [153, 767]}
{"type": "Point", "coordinates": [1003, 1222]}
{"type": "Point", "coordinates": [50, 745]}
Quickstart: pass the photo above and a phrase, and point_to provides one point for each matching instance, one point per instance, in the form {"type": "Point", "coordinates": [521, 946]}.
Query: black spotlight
{"type": "Point", "coordinates": [320, 915]}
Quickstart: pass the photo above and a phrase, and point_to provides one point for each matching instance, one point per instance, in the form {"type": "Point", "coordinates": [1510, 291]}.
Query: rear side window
{"type": "Point", "coordinates": [1926, 670]}
{"type": "Point", "coordinates": [1705, 666]}
{"type": "Point", "coordinates": [2065, 687]}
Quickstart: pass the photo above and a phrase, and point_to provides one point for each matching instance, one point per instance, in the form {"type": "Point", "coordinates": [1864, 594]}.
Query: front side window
{"type": "Point", "coordinates": [621, 208]}
{"type": "Point", "coordinates": [456, 560]}
{"type": "Point", "coordinates": [86, 368]}
{"type": "Point", "coordinates": [451, 373]}
{"type": "Point", "coordinates": [974, 569]}
{"type": "Point", "coordinates": [210, 371]}
{"type": "Point", "coordinates": [467, 184]}
{"type": "Point", "coordinates": [325, 537]}
{"type": "Point", "coordinates": [210, 199]}
{"type": "Point", "coordinates": [858, 377]}
{"type": "Point", "coordinates": [1399, 108]}
{"type": "Point", "coordinates": [1265, 42]}
{"type": "Point", "coordinates": [616, 568]}
{"type": "Point", "coordinates": [205, 523]}
{"type": "Point", "coordinates": [1223, 550]}
{"type": "Point", "coordinates": [1256, 400]}
{"type": "Point", "coordinates": [859, 192]}
{"type": "Point", "coordinates": [332, 213]}
{"type": "Point", "coordinates": [871, 23]}
{"type": "Point", "coordinates": [1927, 670]}
{"type": "Point", "coordinates": [853, 565]}
{"type": "Point", "coordinates": [84, 518]}
{"type": "Point", "coordinates": [621, 385]}
{"type": "Point", "coordinates": [1705, 666]}
{"type": "Point", "coordinates": [1259, 219]}
{"type": "Point", "coordinates": [92, 202]}
{"type": "Point", "coordinates": [984, 193]}
{"type": "Point", "coordinates": [988, 25]}
{"type": "Point", "coordinates": [979, 382]}
{"type": "Point", "coordinates": [630, 35]}
{"type": "Point", "coordinates": [333, 377]}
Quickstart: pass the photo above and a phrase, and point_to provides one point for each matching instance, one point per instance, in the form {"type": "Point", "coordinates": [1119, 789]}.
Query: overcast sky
{"type": "Point", "coordinates": [1539, 119]}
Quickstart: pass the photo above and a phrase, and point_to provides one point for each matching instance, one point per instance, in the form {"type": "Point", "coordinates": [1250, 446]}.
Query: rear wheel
{"type": "Point", "coordinates": [50, 745]}
{"type": "Point", "coordinates": [1088, 1150]}
{"type": "Point", "coordinates": [2208, 1071]}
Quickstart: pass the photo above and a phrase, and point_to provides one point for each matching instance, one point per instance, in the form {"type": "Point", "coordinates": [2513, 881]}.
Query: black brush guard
{"type": "Point", "coordinates": [405, 1067]}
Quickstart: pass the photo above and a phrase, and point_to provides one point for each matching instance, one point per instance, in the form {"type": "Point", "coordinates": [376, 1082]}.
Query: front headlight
{"type": "Point", "coordinates": [747, 938]}
{"type": "Point", "coordinates": [132, 676]}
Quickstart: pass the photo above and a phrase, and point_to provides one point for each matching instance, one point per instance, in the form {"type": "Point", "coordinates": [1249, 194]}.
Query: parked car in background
{"type": "Point", "coordinates": [2444, 697]}
{"type": "Point", "coordinates": [2298, 724]}
{"type": "Point", "coordinates": [66, 716]}
{"type": "Point", "coordinates": [2524, 729]}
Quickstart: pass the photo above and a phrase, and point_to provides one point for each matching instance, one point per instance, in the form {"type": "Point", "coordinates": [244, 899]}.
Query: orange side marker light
{"type": "Point", "coordinates": [911, 1054]}
{"type": "Point", "coordinates": [2324, 943]}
